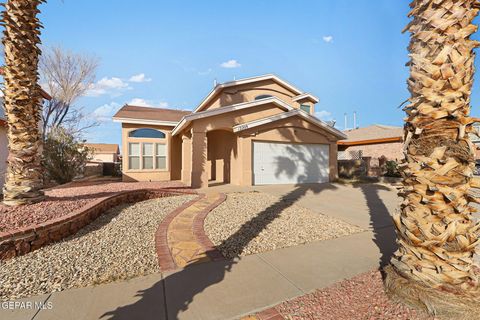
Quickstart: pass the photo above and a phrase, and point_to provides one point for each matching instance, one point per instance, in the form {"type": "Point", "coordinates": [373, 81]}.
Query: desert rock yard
{"type": "Point", "coordinates": [255, 222]}
{"type": "Point", "coordinates": [64, 199]}
{"type": "Point", "coordinates": [361, 297]}
{"type": "Point", "coordinates": [117, 245]}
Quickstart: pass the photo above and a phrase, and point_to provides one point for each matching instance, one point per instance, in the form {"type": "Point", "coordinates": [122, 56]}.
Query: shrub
{"type": "Point", "coordinates": [64, 155]}
{"type": "Point", "coordinates": [391, 167]}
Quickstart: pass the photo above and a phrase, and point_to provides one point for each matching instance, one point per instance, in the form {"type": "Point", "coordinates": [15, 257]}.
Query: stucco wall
{"type": "Point", "coordinates": [3, 155]}
{"type": "Point", "coordinates": [291, 130]}
{"type": "Point", "coordinates": [153, 174]}
{"type": "Point", "coordinates": [390, 150]}
{"type": "Point", "coordinates": [104, 157]}
{"type": "Point", "coordinates": [248, 92]}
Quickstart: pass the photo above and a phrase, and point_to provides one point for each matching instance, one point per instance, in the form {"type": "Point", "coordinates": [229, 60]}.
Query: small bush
{"type": "Point", "coordinates": [391, 168]}
{"type": "Point", "coordinates": [64, 156]}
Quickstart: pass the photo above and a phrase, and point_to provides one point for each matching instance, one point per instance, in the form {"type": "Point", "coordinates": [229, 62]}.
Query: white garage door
{"type": "Point", "coordinates": [288, 163]}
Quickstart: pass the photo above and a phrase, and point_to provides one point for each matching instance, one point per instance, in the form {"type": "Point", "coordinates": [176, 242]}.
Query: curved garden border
{"type": "Point", "coordinates": [23, 240]}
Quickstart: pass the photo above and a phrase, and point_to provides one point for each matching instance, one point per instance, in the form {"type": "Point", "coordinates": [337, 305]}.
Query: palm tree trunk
{"type": "Point", "coordinates": [24, 178]}
{"type": "Point", "coordinates": [434, 267]}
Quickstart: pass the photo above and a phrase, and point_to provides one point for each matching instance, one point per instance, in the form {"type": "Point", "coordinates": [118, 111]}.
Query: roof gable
{"type": "Point", "coordinates": [234, 107]}
{"type": "Point", "coordinates": [220, 87]}
{"type": "Point", "coordinates": [292, 113]}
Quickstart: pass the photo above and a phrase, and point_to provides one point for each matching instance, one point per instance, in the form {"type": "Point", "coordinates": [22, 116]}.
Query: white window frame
{"type": "Point", "coordinates": [163, 156]}
{"type": "Point", "coordinates": [131, 156]}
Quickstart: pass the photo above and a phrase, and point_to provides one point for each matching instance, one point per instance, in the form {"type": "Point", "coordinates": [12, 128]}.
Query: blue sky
{"type": "Point", "coordinates": [351, 54]}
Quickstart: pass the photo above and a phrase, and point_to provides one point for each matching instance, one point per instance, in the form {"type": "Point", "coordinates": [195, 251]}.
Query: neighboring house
{"type": "Point", "coordinates": [376, 141]}
{"type": "Point", "coordinates": [104, 152]}
{"type": "Point", "coordinates": [3, 139]}
{"type": "Point", "coordinates": [374, 144]}
{"type": "Point", "coordinates": [258, 130]}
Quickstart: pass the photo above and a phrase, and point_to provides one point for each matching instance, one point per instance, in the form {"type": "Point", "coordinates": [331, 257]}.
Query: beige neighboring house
{"type": "Point", "coordinates": [375, 141]}
{"type": "Point", "coordinates": [252, 131]}
{"type": "Point", "coordinates": [104, 152]}
{"type": "Point", "coordinates": [375, 145]}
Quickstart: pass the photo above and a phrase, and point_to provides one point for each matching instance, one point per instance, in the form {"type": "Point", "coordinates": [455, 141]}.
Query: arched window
{"type": "Point", "coordinates": [146, 133]}
{"type": "Point", "coordinates": [263, 96]}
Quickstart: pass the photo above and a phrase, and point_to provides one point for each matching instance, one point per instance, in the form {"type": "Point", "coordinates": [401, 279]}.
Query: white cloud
{"type": "Point", "coordinates": [104, 113]}
{"type": "Point", "coordinates": [147, 103]}
{"type": "Point", "coordinates": [324, 115]}
{"type": "Point", "coordinates": [139, 78]}
{"type": "Point", "coordinates": [327, 39]}
{"type": "Point", "coordinates": [113, 86]}
{"type": "Point", "coordinates": [230, 64]}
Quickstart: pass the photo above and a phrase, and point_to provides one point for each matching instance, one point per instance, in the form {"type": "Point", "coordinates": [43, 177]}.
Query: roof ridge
{"type": "Point", "coordinates": [156, 108]}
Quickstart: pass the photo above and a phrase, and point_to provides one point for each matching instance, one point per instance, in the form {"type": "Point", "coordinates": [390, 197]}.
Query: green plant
{"type": "Point", "coordinates": [391, 168]}
{"type": "Point", "coordinates": [64, 155]}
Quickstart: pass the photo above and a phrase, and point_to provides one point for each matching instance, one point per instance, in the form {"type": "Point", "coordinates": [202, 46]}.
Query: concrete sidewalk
{"type": "Point", "coordinates": [221, 290]}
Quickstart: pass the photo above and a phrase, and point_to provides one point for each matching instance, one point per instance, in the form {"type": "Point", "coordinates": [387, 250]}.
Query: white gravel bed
{"type": "Point", "coordinates": [118, 245]}
{"type": "Point", "coordinates": [254, 222]}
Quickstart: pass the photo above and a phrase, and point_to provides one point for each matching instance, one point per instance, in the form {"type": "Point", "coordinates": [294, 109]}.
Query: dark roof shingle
{"type": "Point", "coordinates": [147, 113]}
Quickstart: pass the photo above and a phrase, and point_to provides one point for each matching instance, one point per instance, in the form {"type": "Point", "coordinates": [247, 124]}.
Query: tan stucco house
{"type": "Point", "coordinates": [104, 152]}
{"type": "Point", "coordinates": [251, 131]}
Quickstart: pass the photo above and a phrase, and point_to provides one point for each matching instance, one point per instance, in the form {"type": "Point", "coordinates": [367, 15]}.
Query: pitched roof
{"type": "Point", "coordinates": [238, 82]}
{"type": "Point", "coordinates": [225, 109]}
{"type": "Point", "coordinates": [292, 113]}
{"type": "Point", "coordinates": [160, 116]}
{"type": "Point", "coordinates": [103, 147]}
{"type": "Point", "coordinates": [373, 134]}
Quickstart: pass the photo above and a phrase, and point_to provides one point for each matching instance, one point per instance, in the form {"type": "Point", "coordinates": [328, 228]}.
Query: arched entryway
{"type": "Point", "coordinates": [221, 152]}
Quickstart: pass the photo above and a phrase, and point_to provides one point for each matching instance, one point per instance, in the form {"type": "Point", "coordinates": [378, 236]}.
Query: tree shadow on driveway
{"type": "Point", "coordinates": [178, 289]}
{"type": "Point", "coordinates": [381, 221]}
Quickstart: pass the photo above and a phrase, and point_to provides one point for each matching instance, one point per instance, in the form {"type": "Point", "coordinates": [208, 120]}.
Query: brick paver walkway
{"type": "Point", "coordinates": [181, 239]}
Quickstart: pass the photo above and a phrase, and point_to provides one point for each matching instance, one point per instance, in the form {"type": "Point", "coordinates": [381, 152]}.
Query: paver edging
{"type": "Point", "coordinates": [164, 255]}
{"type": "Point", "coordinates": [26, 239]}
{"type": "Point", "coordinates": [269, 314]}
{"type": "Point", "coordinates": [199, 230]}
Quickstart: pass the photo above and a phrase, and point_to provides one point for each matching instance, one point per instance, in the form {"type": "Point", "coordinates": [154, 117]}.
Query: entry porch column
{"type": "Point", "coordinates": [199, 172]}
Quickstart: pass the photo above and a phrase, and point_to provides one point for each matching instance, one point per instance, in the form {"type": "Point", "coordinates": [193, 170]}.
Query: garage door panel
{"type": "Point", "coordinates": [283, 163]}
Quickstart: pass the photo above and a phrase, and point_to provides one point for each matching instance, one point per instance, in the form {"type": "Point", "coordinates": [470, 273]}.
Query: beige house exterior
{"type": "Point", "coordinates": [375, 141]}
{"type": "Point", "coordinates": [258, 130]}
{"type": "Point", "coordinates": [104, 152]}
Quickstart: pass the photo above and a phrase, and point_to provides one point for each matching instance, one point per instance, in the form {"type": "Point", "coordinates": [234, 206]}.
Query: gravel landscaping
{"type": "Point", "coordinates": [254, 222]}
{"type": "Point", "coordinates": [62, 200]}
{"type": "Point", "coordinates": [118, 245]}
{"type": "Point", "coordinates": [360, 298]}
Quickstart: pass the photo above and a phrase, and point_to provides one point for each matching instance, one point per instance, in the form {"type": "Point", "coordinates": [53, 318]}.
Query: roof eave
{"type": "Point", "coordinates": [370, 141]}
{"type": "Point", "coordinates": [145, 121]}
{"type": "Point", "coordinates": [221, 86]}
{"type": "Point", "coordinates": [308, 96]}
{"type": "Point", "coordinates": [296, 112]}
{"type": "Point", "coordinates": [234, 107]}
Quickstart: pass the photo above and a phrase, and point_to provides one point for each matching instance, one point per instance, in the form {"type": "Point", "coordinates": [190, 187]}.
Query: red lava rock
{"type": "Point", "coordinates": [359, 298]}
{"type": "Point", "coordinates": [65, 199]}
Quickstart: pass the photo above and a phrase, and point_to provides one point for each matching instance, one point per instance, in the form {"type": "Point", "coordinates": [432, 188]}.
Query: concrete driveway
{"type": "Point", "coordinates": [367, 205]}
